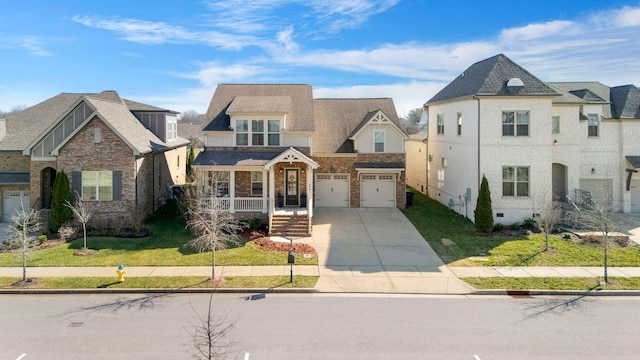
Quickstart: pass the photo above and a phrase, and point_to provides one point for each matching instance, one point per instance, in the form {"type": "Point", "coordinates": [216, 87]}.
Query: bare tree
{"type": "Point", "coordinates": [211, 339]}
{"type": "Point", "coordinates": [22, 229]}
{"type": "Point", "coordinates": [598, 218]}
{"type": "Point", "coordinates": [213, 226]}
{"type": "Point", "coordinates": [83, 211]}
{"type": "Point", "coordinates": [547, 214]}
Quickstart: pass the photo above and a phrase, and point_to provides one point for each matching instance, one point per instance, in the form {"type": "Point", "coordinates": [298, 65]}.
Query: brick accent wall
{"type": "Point", "coordinates": [342, 165]}
{"type": "Point", "coordinates": [13, 161]}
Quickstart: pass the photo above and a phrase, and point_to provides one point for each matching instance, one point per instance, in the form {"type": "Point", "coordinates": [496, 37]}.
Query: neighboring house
{"type": "Point", "coordinates": [192, 132]}
{"type": "Point", "coordinates": [275, 152]}
{"type": "Point", "coordinates": [119, 153]}
{"type": "Point", "coordinates": [416, 150]}
{"type": "Point", "coordinates": [534, 141]}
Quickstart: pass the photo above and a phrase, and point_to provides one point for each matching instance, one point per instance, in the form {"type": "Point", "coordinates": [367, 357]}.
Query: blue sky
{"type": "Point", "coordinates": [173, 53]}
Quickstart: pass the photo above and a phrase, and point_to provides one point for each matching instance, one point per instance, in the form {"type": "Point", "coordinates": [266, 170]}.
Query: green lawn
{"type": "Point", "coordinates": [165, 247]}
{"type": "Point", "coordinates": [177, 282]}
{"type": "Point", "coordinates": [435, 222]}
{"type": "Point", "coordinates": [615, 283]}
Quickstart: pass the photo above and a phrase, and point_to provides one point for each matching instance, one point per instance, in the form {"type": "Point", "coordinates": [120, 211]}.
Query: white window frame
{"type": "Point", "coordinates": [172, 130]}
{"type": "Point", "coordinates": [102, 180]}
{"type": "Point", "coordinates": [516, 124]}
{"type": "Point", "coordinates": [275, 133]}
{"type": "Point", "coordinates": [257, 180]}
{"type": "Point", "coordinates": [269, 136]}
{"type": "Point", "coordinates": [243, 131]}
{"type": "Point", "coordinates": [221, 187]}
{"type": "Point", "coordinates": [519, 186]}
{"type": "Point", "coordinates": [440, 124]}
{"type": "Point", "coordinates": [377, 142]}
{"type": "Point", "coordinates": [591, 120]}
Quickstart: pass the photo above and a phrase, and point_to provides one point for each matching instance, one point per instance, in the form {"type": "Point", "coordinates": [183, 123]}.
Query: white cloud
{"type": "Point", "coordinates": [285, 39]}
{"type": "Point", "coordinates": [536, 31]}
{"type": "Point", "coordinates": [623, 17]}
{"type": "Point", "coordinates": [32, 44]}
{"type": "Point", "coordinates": [212, 73]}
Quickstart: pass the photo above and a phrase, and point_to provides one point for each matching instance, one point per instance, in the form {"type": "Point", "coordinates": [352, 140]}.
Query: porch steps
{"type": "Point", "coordinates": [290, 226]}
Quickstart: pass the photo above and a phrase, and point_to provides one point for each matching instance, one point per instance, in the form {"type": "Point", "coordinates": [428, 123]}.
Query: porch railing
{"type": "Point", "coordinates": [240, 204]}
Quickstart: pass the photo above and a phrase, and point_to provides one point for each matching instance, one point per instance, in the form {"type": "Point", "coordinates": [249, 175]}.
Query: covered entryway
{"type": "Point", "coordinates": [635, 196]}
{"type": "Point", "coordinates": [332, 190]}
{"type": "Point", "coordinates": [292, 187]}
{"type": "Point", "coordinates": [559, 181]}
{"type": "Point", "coordinates": [377, 190]}
{"type": "Point", "coordinates": [14, 202]}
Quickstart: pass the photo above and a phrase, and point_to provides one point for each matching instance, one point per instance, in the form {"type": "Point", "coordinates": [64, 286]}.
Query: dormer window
{"type": "Point", "coordinates": [255, 135]}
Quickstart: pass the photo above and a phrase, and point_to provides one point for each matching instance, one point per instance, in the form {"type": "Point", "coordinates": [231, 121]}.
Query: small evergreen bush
{"type": "Point", "coordinates": [483, 214]}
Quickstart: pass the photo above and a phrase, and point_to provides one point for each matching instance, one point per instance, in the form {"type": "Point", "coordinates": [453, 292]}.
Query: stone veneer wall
{"type": "Point", "coordinates": [345, 164]}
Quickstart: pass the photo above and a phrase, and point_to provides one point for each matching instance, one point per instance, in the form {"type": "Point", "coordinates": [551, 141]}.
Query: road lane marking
{"type": "Point", "coordinates": [246, 356]}
{"type": "Point", "coordinates": [21, 356]}
{"type": "Point", "coordinates": [477, 357]}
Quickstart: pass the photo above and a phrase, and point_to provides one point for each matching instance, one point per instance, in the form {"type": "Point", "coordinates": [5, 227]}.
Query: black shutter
{"type": "Point", "coordinates": [117, 185]}
{"type": "Point", "coordinates": [76, 184]}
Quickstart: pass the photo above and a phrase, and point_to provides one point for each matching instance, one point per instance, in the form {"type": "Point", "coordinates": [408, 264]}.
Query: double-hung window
{"type": "Point", "coordinates": [440, 124]}
{"type": "Point", "coordinates": [378, 141]}
{"type": "Point", "coordinates": [97, 185]}
{"type": "Point", "coordinates": [515, 181]}
{"type": "Point", "coordinates": [256, 183]}
{"type": "Point", "coordinates": [242, 132]}
{"type": "Point", "coordinates": [593, 124]}
{"type": "Point", "coordinates": [459, 123]}
{"type": "Point", "coordinates": [273, 128]}
{"type": "Point", "coordinates": [219, 183]}
{"type": "Point", "coordinates": [515, 123]}
{"type": "Point", "coordinates": [257, 132]}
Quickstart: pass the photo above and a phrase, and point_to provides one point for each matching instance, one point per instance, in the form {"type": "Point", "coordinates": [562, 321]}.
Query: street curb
{"type": "Point", "coordinates": [156, 291]}
{"type": "Point", "coordinates": [508, 292]}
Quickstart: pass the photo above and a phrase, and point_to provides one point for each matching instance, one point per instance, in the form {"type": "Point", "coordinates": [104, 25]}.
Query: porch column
{"type": "Point", "coordinates": [272, 190]}
{"type": "Point", "coordinates": [310, 191]}
{"type": "Point", "coordinates": [232, 191]}
{"type": "Point", "coordinates": [264, 193]}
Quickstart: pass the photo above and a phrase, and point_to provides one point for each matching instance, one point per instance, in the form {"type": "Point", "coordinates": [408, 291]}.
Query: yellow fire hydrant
{"type": "Point", "coordinates": [120, 272]}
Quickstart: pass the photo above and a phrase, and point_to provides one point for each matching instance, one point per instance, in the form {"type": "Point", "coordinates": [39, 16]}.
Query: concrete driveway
{"type": "Point", "coordinates": [377, 250]}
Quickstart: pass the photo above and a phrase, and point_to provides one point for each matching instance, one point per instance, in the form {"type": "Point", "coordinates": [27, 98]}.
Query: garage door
{"type": "Point", "coordinates": [377, 191]}
{"type": "Point", "coordinates": [635, 196]}
{"type": "Point", "coordinates": [332, 190]}
{"type": "Point", "coordinates": [13, 202]}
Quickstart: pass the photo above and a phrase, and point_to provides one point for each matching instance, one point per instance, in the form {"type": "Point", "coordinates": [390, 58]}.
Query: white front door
{"type": "Point", "coordinates": [14, 202]}
{"type": "Point", "coordinates": [332, 190]}
{"type": "Point", "coordinates": [377, 190]}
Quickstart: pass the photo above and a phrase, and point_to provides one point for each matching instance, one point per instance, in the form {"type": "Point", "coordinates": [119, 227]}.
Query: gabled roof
{"type": "Point", "coordinates": [565, 97]}
{"type": "Point", "coordinates": [338, 119]}
{"type": "Point", "coordinates": [625, 102]}
{"type": "Point", "coordinates": [136, 106]}
{"type": "Point", "coordinates": [592, 92]}
{"type": "Point", "coordinates": [588, 96]}
{"type": "Point", "coordinates": [489, 77]}
{"type": "Point", "coordinates": [299, 116]}
{"type": "Point", "coordinates": [25, 127]}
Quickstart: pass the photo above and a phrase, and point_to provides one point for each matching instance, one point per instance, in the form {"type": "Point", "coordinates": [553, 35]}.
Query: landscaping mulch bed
{"type": "Point", "coordinates": [262, 241]}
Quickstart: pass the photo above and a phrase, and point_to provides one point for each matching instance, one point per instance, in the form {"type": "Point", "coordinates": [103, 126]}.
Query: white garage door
{"type": "Point", "coordinates": [332, 190]}
{"type": "Point", "coordinates": [635, 196]}
{"type": "Point", "coordinates": [377, 191]}
{"type": "Point", "coordinates": [13, 202]}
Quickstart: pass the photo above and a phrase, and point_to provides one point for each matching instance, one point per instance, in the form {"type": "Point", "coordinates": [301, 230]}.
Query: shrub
{"type": "Point", "coordinates": [529, 224]}
{"type": "Point", "coordinates": [483, 212]}
{"type": "Point", "coordinates": [61, 195]}
{"type": "Point", "coordinates": [498, 227]}
{"type": "Point", "coordinates": [42, 239]}
{"type": "Point", "coordinates": [257, 224]}
{"type": "Point", "coordinates": [515, 226]}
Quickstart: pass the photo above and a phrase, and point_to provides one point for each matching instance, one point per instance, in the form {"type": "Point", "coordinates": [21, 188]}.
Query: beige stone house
{"type": "Point", "coordinates": [275, 152]}
{"type": "Point", "coordinates": [119, 153]}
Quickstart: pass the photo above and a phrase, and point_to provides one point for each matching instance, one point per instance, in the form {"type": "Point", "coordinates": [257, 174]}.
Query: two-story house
{"type": "Point", "coordinates": [273, 151]}
{"type": "Point", "coordinates": [118, 153]}
{"type": "Point", "coordinates": [534, 141]}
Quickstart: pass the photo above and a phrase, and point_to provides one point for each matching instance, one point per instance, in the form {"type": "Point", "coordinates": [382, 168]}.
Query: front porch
{"type": "Point", "coordinates": [278, 184]}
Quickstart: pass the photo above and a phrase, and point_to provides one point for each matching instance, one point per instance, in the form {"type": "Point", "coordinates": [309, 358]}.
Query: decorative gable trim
{"type": "Point", "coordinates": [376, 118]}
{"type": "Point", "coordinates": [292, 155]}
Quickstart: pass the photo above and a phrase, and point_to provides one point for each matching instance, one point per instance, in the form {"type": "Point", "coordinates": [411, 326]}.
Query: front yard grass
{"type": "Point", "coordinates": [435, 222]}
{"type": "Point", "coordinates": [166, 246]}
{"type": "Point", "coordinates": [553, 283]}
{"type": "Point", "coordinates": [175, 282]}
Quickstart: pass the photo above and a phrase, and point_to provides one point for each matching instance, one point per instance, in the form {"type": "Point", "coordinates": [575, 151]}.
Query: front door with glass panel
{"type": "Point", "coordinates": [292, 187]}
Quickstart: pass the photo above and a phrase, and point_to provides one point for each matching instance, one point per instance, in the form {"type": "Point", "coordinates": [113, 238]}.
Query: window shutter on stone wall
{"type": "Point", "coordinates": [76, 184]}
{"type": "Point", "coordinates": [117, 185]}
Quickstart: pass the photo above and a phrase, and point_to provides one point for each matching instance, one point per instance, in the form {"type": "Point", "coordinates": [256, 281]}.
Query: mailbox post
{"type": "Point", "coordinates": [290, 260]}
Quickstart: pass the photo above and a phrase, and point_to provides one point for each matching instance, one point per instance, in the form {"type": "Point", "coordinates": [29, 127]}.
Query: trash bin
{"type": "Point", "coordinates": [409, 198]}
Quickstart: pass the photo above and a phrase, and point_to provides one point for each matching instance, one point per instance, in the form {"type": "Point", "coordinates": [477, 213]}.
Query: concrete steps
{"type": "Point", "coordinates": [290, 226]}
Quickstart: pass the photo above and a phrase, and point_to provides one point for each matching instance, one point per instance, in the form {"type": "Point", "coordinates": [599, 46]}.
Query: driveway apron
{"type": "Point", "coordinates": [377, 250]}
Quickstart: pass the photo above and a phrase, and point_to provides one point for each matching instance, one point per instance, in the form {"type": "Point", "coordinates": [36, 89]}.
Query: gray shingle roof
{"type": "Point", "coordinates": [299, 118]}
{"type": "Point", "coordinates": [337, 119]}
{"type": "Point", "coordinates": [236, 157]}
{"type": "Point", "coordinates": [136, 106]}
{"type": "Point", "coordinates": [14, 177]}
{"type": "Point", "coordinates": [565, 96]}
{"type": "Point", "coordinates": [625, 102]}
{"type": "Point", "coordinates": [260, 104]}
{"type": "Point", "coordinates": [489, 77]}
{"type": "Point", "coordinates": [585, 90]}
{"type": "Point", "coordinates": [634, 161]}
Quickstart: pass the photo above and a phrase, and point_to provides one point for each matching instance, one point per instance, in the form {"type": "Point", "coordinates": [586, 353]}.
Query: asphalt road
{"type": "Point", "coordinates": [321, 327]}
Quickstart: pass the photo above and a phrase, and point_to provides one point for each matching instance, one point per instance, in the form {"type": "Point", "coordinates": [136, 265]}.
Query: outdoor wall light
{"type": "Point", "coordinates": [593, 170]}
{"type": "Point", "coordinates": [555, 142]}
